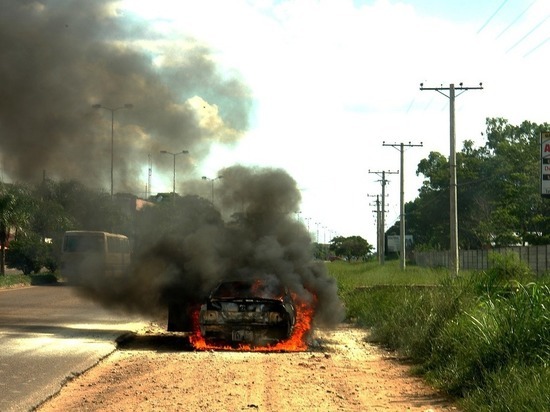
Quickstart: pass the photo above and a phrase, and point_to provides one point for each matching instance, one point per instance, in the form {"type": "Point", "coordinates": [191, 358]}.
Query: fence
{"type": "Point", "coordinates": [536, 257]}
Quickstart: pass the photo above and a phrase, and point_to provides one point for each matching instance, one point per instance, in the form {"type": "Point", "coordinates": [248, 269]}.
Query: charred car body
{"type": "Point", "coordinates": [257, 312]}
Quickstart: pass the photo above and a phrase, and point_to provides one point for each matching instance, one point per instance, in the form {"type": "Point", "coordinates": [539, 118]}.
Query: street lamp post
{"type": "Point", "coordinates": [174, 179]}
{"type": "Point", "coordinates": [317, 224]}
{"type": "Point", "coordinates": [212, 183]}
{"type": "Point", "coordinates": [112, 110]}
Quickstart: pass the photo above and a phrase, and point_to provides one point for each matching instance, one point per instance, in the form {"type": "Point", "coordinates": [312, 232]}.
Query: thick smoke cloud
{"type": "Point", "coordinates": [186, 248]}
{"type": "Point", "coordinates": [58, 58]}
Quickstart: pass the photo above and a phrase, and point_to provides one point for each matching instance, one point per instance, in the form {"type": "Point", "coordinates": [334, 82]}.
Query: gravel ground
{"type": "Point", "coordinates": [158, 371]}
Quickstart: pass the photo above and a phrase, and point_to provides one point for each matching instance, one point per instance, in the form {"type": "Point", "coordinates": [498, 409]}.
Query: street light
{"type": "Point", "coordinates": [112, 110]}
{"type": "Point", "coordinates": [174, 181]}
{"type": "Point", "coordinates": [212, 182]}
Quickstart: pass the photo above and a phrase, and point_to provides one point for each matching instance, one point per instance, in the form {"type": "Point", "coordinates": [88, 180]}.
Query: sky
{"type": "Point", "coordinates": [321, 85]}
{"type": "Point", "coordinates": [332, 80]}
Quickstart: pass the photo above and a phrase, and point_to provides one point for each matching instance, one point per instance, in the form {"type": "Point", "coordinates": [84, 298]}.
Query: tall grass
{"type": "Point", "coordinates": [512, 389]}
{"type": "Point", "coordinates": [469, 336]}
{"type": "Point", "coordinates": [401, 308]}
{"type": "Point", "coordinates": [496, 334]}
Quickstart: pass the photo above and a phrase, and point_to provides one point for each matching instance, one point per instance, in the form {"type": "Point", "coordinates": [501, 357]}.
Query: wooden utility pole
{"type": "Point", "coordinates": [379, 245]}
{"type": "Point", "coordinates": [453, 254]}
{"type": "Point", "coordinates": [377, 211]}
{"type": "Point", "coordinates": [382, 232]}
{"type": "Point", "coordinates": [402, 243]}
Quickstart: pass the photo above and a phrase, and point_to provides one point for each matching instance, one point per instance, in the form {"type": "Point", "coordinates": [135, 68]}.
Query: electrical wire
{"type": "Point", "coordinates": [536, 47]}
{"type": "Point", "coordinates": [529, 33]}
{"type": "Point", "coordinates": [492, 16]}
{"type": "Point", "coordinates": [519, 16]}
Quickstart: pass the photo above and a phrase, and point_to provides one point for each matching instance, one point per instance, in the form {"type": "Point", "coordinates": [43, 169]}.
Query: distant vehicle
{"type": "Point", "coordinates": [89, 255]}
{"type": "Point", "coordinates": [258, 312]}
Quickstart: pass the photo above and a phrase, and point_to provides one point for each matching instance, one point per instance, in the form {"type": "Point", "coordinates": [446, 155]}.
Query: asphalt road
{"type": "Point", "coordinates": [47, 335]}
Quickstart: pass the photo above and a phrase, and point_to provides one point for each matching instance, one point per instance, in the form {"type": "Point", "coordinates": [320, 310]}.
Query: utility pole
{"type": "Point", "coordinates": [149, 176]}
{"type": "Point", "coordinates": [112, 110]}
{"type": "Point", "coordinates": [379, 232]}
{"type": "Point", "coordinates": [377, 211]}
{"type": "Point", "coordinates": [381, 229]}
{"type": "Point", "coordinates": [174, 179]}
{"type": "Point", "coordinates": [220, 177]}
{"type": "Point", "coordinates": [401, 148]}
{"type": "Point", "coordinates": [453, 255]}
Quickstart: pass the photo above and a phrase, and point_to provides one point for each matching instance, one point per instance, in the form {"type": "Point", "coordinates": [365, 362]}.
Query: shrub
{"type": "Point", "coordinates": [504, 268]}
{"type": "Point", "coordinates": [28, 254]}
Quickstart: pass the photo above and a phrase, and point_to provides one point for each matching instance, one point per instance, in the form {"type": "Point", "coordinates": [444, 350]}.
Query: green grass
{"type": "Point", "coordinates": [514, 388]}
{"type": "Point", "coordinates": [12, 280]}
{"type": "Point", "coordinates": [483, 337]}
{"type": "Point", "coordinates": [353, 275]}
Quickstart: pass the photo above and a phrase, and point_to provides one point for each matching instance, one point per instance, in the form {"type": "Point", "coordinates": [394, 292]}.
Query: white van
{"type": "Point", "coordinates": [93, 254]}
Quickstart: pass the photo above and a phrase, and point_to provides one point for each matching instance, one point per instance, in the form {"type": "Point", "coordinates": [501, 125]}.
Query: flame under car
{"type": "Point", "coordinates": [248, 312]}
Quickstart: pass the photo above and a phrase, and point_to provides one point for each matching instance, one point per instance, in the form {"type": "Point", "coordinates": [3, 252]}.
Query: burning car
{"type": "Point", "coordinates": [258, 312]}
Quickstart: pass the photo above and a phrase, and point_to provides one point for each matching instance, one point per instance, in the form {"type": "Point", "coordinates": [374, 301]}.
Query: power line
{"type": "Point", "coordinates": [515, 20]}
{"type": "Point", "coordinates": [536, 47]}
{"type": "Point", "coordinates": [528, 33]}
{"type": "Point", "coordinates": [493, 15]}
{"type": "Point", "coordinates": [410, 105]}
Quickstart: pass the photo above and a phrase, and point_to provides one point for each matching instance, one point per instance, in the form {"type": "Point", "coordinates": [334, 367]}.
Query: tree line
{"type": "Point", "coordinates": [498, 190]}
{"type": "Point", "coordinates": [498, 187]}
{"type": "Point", "coordinates": [33, 219]}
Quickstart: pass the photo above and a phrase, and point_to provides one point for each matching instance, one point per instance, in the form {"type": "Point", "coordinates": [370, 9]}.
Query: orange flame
{"type": "Point", "coordinates": [297, 342]}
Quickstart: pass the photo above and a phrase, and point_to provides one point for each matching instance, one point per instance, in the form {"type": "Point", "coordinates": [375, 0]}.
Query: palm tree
{"type": "Point", "coordinates": [15, 205]}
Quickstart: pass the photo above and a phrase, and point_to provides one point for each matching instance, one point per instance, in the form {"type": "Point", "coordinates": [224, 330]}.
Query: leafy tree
{"type": "Point", "coordinates": [73, 205]}
{"type": "Point", "coordinates": [521, 213]}
{"type": "Point", "coordinates": [427, 217]}
{"type": "Point", "coordinates": [15, 211]}
{"type": "Point", "coordinates": [352, 247]}
{"type": "Point", "coordinates": [498, 192]}
{"type": "Point", "coordinates": [436, 170]}
{"type": "Point", "coordinates": [50, 217]}
{"type": "Point", "coordinates": [28, 254]}
{"type": "Point", "coordinates": [320, 251]}
{"type": "Point", "coordinates": [474, 192]}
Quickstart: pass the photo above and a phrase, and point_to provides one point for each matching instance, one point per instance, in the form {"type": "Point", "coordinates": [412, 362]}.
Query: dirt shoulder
{"type": "Point", "coordinates": [157, 371]}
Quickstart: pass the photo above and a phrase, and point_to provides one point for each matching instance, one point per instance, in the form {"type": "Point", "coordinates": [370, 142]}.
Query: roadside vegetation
{"type": "Point", "coordinates": [483, 338]}
{"type": "Point", "coordinates": [33, 219]}
{"type": "Point", "coordinates": [498, 192]}
{"type": "Point", "coordinates": [8, 281]}
{"type": "Point", "coordinates": [12, 280]}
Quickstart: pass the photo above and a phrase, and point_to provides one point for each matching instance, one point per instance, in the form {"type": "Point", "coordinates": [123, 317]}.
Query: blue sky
{"type": "Point", "coordinates": [332, 80]}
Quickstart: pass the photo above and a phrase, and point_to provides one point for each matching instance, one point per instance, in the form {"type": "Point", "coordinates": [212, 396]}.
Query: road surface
{"type": "Point", "coordinates": [47, 334]}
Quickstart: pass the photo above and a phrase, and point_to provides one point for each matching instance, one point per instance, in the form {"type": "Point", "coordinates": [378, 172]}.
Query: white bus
{"type": "Point", "coordinates": [89, 255]}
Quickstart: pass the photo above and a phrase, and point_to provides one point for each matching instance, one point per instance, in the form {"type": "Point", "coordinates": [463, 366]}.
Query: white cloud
{"type": "Point", "coordinates": [332, 80]}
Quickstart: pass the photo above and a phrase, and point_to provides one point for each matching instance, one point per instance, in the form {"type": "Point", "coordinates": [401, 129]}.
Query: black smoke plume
{"type": "Point", "coordinates": [186, 248]}
{"type": "Point", "coordinates": [60, 57]}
